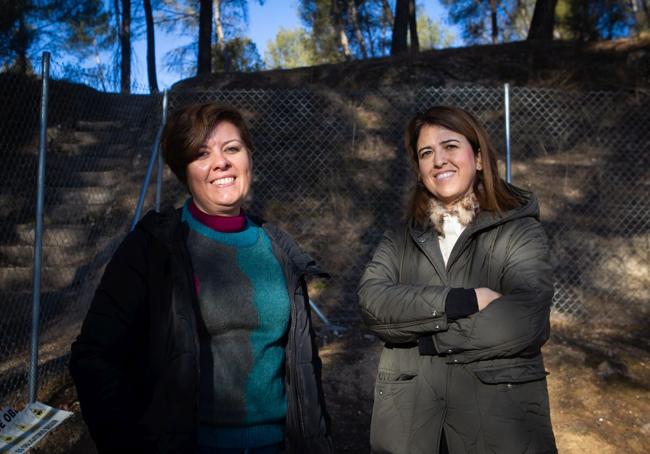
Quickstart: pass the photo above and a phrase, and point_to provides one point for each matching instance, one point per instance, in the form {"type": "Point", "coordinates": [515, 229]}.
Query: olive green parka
{"type": "Point", "coordinates": [486, 385]}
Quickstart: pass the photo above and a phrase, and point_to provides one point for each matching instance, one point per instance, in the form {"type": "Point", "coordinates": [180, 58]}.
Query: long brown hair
{"type": "Point", "coordinates": [492, 193]}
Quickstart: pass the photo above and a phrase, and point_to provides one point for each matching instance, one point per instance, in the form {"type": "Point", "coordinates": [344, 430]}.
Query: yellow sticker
{"type": "Point", "coordinates": [38, 413]}
{"type": "Point", "coordinates": [6, 438]}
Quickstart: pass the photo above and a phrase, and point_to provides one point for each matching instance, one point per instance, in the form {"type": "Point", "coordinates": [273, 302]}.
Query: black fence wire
{"type": "Point", "coordinates": [330, 168]}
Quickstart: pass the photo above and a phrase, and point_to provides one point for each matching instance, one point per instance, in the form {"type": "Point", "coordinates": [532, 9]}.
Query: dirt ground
{"type": "Point", "coordinates": [598, 385]}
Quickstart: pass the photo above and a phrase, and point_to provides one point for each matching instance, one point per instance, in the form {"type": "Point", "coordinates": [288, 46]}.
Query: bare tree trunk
{"type": "Point", "coordinates": [151, 48]}
{"type": "Point", "coordinates": [116, 7]}
{"type": "Point", "coordinates": [493, 14]}
{"type": "Point", "coordinates": [413, 28]}
{"type": "Point", "coordinates": [585, 32]}
{"type": "Point", "coordinates": [221, 39]}
{"type": "Point", "coordinates": [543, 22]}
{"type": "Point", "coordinates": [125, 46]}
{"type": "Point", "coordinates": [22, 63]}
{"type": "Point", "coordinates": [204, 59]}
{"type": "Point", "coordinates": [641, 15]}
{"type": "Point", "coordinates": [98, 62]}
{"type": "Point", "coordinates": [340, 30]}
{"type": "Point", "coordinates": [388, 14]}
{"type": "Point", "coordinates": [354, 17]}
{"type": "Point", "coordinates": [368, 31]}
{"type": "Point", "coordinates": [387, 22]}
{"type": "Point", "coordinates": [399, 44]}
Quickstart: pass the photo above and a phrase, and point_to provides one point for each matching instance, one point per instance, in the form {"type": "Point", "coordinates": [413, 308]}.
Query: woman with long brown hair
{"type": "Point", "coordinates": [461, 295]}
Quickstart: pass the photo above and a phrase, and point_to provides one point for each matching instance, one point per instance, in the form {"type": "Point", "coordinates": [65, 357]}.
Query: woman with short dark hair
{"type": "Point", "coordinates": [461, 295]}
{"type": "Point", "coordinates": [199, 337]}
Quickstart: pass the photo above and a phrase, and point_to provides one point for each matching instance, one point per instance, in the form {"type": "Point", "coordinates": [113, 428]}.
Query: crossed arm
{"type": "Point", "coordinates": [505, 324]}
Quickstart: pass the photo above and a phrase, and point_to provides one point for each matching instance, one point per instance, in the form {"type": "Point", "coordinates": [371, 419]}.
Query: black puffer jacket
{"type": "Point", "coordinates": [136, 362]}
{"type": "Point", "coordinates": [484, 382]}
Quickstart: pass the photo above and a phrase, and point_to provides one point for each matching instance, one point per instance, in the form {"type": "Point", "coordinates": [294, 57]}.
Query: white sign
{"type": "Point", "coordinates": [21, 430]}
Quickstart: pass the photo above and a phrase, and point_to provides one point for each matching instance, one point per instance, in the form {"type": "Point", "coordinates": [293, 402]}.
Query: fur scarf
{"type": "Point", "coordinates": [464, 210]}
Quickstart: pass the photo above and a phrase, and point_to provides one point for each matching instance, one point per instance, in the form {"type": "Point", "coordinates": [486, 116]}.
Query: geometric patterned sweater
{"type": "Point", "coordinates": [244, 312]}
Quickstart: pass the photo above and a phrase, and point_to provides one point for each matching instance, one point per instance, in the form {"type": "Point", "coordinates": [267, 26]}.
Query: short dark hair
{"type": "Point", "coordinates": [188, 128]}
{"type": "Point", "coordinates": [491, 191]}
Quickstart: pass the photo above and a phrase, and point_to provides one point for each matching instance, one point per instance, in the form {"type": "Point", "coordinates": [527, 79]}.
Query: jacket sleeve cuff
{"type": "Point", "coordinates": [426, 346]}
{"type": "Point", "coordinates": [460, 302]}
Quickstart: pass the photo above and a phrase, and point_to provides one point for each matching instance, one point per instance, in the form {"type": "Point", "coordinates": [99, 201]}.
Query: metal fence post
{"type": "Point", "coordinates": [38, 232]}
{"type": "Point", "coordinates": [329, 325]}
{"type": "Point", "coordinates": [506, 105]}
{"type": "Point", "coordinates": [155, 153]}
{"type": "Point", "coordinates": [159, 173]}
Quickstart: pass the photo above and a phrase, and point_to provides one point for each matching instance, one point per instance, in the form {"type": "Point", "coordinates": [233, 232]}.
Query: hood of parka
{"type": "Point", "coordinates": [529, 208]}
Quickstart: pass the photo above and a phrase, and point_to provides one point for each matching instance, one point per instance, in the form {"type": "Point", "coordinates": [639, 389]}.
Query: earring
{"type": "Point", "coordinates": [478, 166]}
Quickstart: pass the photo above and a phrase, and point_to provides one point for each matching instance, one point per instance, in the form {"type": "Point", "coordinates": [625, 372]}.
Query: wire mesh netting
{"type": "Point", "coordinates": [97, 146]}
{"type": "Point", "coordinates": [586, 157]}
{"type": "Point", "coordinates": [329, 168]}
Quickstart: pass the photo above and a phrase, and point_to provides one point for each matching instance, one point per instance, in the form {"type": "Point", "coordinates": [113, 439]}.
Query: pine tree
{"type": "Point", "coordinates": [204, 57]}
{"type": "Point", "coordinates": [48, 24]}
{"type": "Point", "coordinates": [543, 22]}
{"type": "Point", "coordinates": [125, 47]}
{"type": "Point", "coordinates": [289, 49]}
{"type": "Point", "coordinates": [151, 48]}
{"type": "Point", "coordinates": [491, 20]}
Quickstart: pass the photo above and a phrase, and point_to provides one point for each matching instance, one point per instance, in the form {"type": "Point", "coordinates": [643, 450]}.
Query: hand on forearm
{"type": "Point", "coordinates": [484, 296]}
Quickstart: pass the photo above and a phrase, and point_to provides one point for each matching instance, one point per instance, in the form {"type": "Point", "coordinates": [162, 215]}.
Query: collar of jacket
{"type": "Point", "coordinates": [483, 221]}
{"type": "Point", "coordinates": [486, 220]}
{"type": "Point", "coordinates": [163, 227]}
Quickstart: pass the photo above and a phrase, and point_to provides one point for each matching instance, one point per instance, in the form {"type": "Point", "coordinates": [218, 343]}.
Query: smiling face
{"type": "Point", "coordinates": [220, 177]}
{"type": "Point", "coordinates": [447, 163]}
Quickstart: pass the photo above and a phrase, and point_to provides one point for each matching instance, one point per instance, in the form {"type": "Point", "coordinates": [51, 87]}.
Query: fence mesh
{"type": "Point", "coordinates": [97, 147]}
{"type": "Point", "coordinates": [330, 168]}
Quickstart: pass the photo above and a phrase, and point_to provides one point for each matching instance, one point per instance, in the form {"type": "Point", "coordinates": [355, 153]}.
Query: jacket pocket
{"type": "Point", "coordinates": [515, 402]}
{"type": "Point", "coordinates": [392, 412]}
{"type": "Point", "coordinates": [520, 391]}
{"type": "Point", "coordinates": [519, 387]}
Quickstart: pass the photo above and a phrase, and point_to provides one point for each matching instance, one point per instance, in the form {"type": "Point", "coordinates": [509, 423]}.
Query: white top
{"type": "Point", "coordinates": [452, 229]}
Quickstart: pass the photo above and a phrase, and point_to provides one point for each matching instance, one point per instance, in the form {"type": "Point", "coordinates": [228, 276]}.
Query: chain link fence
{"type": "Point", "coordinates": [586, 155]}
{"type": "Point", "coordinates": [330, 168]}
{"type": "Point", "coordinates": [97, 148]}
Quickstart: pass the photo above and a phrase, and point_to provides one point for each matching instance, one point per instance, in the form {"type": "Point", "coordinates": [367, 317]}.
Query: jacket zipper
{"type": "Point", "coordinates": [292, 372]}
{"type": "Point", "coordinates": [443, 275]}
{"type": "Point", "coordinates": [444, 413]}
{"type": "Point", "coordinates": [192, 319]}
{"type": "Point", "coordinates": [292, 375]}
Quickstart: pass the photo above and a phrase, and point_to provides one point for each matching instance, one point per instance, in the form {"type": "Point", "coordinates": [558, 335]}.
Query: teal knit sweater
{"type": "Point", "coordinates": [244, 312]}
